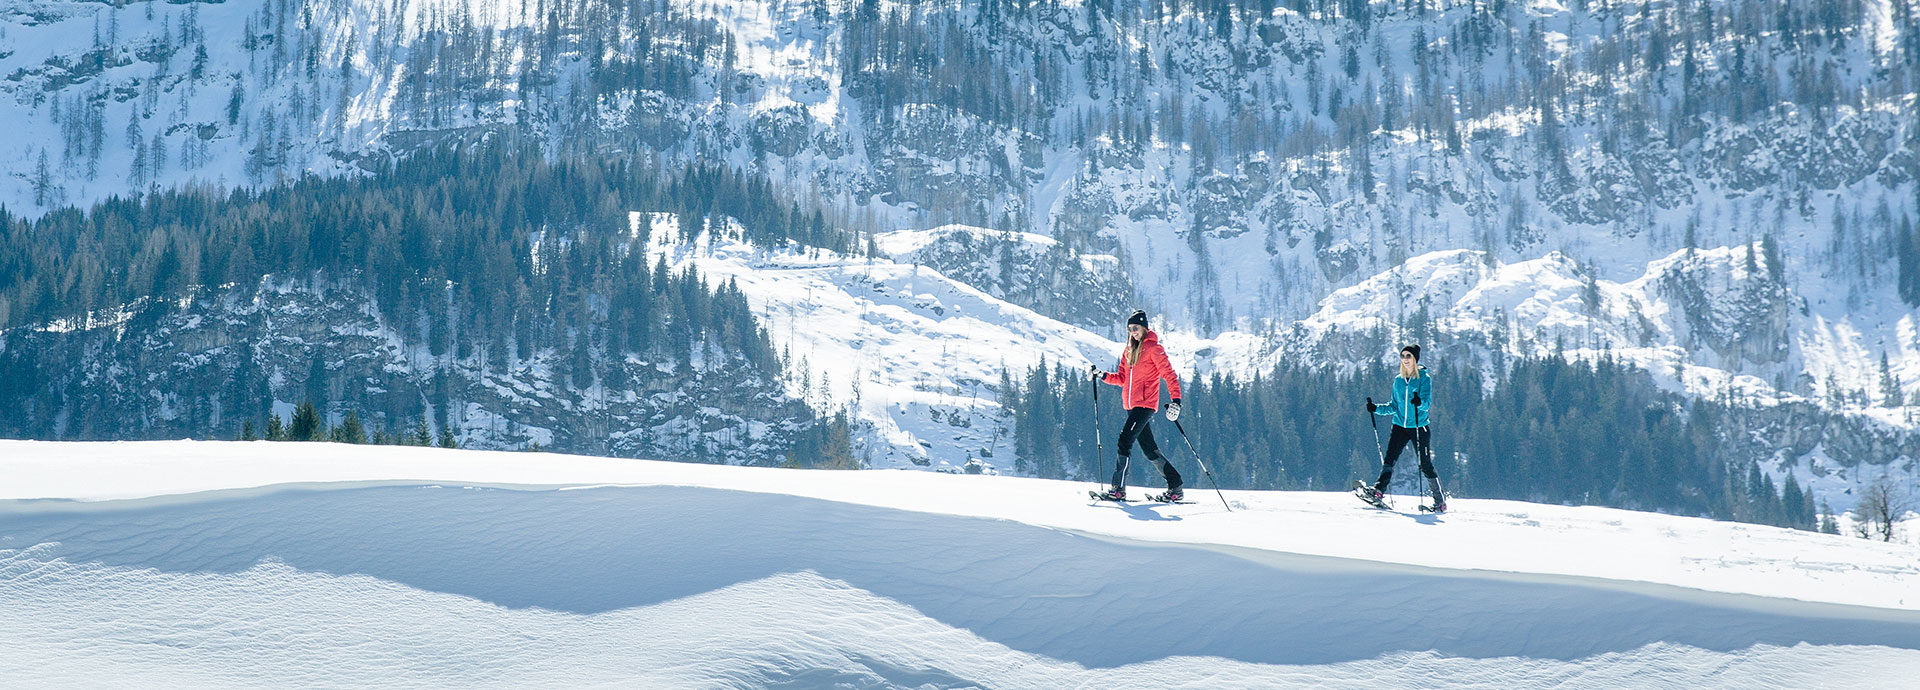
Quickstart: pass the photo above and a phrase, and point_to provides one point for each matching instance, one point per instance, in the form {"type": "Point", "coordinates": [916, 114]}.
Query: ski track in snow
{"type": "Point", "coordinates": [690, 587]}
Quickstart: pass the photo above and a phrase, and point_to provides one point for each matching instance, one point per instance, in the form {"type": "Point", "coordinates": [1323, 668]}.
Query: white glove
{"type": "Point", "coordinates": [1094, 372]}
{"type": "Point", "coordinates": [1173, 411]}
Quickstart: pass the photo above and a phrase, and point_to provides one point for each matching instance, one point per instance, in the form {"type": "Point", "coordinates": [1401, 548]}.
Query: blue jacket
{"type": "Point", "coordinates": [1405, 414]}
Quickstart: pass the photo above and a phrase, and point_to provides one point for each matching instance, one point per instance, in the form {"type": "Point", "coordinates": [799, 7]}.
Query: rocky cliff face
{"type": "Point", "coordinates": [1087, 290]}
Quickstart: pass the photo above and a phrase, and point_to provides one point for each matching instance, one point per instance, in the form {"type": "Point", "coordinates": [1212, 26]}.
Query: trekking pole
{"type": "Point", "coordinates": [1203, 465]}
{"type": "Point", "coordinates": [1099, 456]}
{"type": "Point", "coordinates": [1375, 421]}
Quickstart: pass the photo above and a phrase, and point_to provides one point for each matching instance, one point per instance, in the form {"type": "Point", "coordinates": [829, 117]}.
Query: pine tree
{"type": "Point", "coordinates": [276, 431]}
{"type": "Point", "coordinates": [137, 173]}
{"type": "Point", "coordinates": [1907, 250]}
{"type": "Point", "coordinates": [1890, 394]}
{"type": "Point", "coordinates": [1794, 506]}
{"type": "Point", "coordinates": [350, 430]}
{"type": "Point", "coordinates": [446, 437]}
{"type": "Point", "coordinates": [43, 190]}
{"type": "Point", "coordinates": [157, 159]}
{"type": "Point", "coordinates": [307, 424]}
{"type": "Point", "coordinates": [235, 99]}
{"type": "Point", "coordinates": [246, 432]}
{"type": "Point", "coordinates": [1776, 266]}
{"type": "Point", "coordinates": [422, 435]}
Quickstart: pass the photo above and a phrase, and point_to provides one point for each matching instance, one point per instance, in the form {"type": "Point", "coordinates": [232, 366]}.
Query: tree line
{"type": "Point", "coordinates": [488, 255]}
{"type": "Point", "coordinates": [1546, 430]}
{"type": "Point", "coordinates": [308, 424]}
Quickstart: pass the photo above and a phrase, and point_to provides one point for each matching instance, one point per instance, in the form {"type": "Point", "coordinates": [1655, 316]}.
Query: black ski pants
{"type": "Point", "coordinates": [1136, 429]}
{"type": "Point", "coordinates": [1422, 440]}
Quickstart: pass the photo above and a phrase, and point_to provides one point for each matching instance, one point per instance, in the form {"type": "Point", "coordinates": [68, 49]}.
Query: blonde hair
{"type": "Point", "coordinates": [1132, 353]}
{"type": "Point", "coordinates": [1409, 368]}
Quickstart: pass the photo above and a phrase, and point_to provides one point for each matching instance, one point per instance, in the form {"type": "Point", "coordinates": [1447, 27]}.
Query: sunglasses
{"type": "Point", "coordinates": [1404, 355]}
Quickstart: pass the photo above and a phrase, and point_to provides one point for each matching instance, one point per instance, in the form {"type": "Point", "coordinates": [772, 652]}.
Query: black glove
{"type": "Point", "coordinates": [1415, 400]}
{"type": "Point", "coordinates": [1370, 405]}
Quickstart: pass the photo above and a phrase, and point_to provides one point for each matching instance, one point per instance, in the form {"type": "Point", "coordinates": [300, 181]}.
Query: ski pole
{"type": "Point", "coordinates": [1203, 465]}
{"type": "Point", "coordinates": [1099, 456]}
{"type": "Point", "coordinates": [1375, 421]}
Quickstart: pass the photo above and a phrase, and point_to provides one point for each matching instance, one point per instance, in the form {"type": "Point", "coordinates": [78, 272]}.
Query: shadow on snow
{"type": "Point", "coordinates": [1045, 591]}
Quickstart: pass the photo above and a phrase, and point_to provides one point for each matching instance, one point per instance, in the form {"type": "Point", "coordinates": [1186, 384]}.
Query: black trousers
{"type": "Point", "coordinates": [1136, 429]}
{"type": "Point", "coordinates": [1422, 446]}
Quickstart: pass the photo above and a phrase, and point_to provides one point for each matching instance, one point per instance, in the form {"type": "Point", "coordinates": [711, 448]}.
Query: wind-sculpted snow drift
{"type": "Point", "coordinates": [438, 584]}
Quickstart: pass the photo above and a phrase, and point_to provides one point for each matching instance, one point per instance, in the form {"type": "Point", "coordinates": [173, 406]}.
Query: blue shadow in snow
{"type": "Point", "coordinates": [1038, 590]}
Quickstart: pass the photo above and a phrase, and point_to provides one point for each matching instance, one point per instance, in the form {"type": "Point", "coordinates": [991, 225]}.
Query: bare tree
{"type": "Point", "coordinates": [1881, 506]}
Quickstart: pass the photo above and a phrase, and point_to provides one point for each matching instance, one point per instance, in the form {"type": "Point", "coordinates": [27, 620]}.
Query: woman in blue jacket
{"type": "Point", "coordinates": [1412, 395]}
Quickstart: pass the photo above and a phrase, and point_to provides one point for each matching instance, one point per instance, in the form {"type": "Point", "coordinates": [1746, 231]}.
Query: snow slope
{"type": "Point", "coordinates": [225, 563]}
{"type": "Point", "coordinates": [915, 355]}
{"type": "Point", "coordinates": [912, 354]}
{"type": "Point", "coordinates": [1547, 305]}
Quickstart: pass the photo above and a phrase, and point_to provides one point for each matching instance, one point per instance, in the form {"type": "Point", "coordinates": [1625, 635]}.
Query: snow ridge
{"type": "Point", "coordinates": [747, 577]}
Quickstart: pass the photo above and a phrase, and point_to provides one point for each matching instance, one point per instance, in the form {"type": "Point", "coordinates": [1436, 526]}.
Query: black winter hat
{"type": "Point", "coordinates": [1415, 349]}
{"type": "Point", "coordinates": [1139, 316]}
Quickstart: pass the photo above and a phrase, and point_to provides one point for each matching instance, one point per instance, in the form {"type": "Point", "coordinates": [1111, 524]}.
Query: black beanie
{"type": "Point", "coordinates": [1139, 316]}
{"type": "Point", "coordinates": [1415, 349]}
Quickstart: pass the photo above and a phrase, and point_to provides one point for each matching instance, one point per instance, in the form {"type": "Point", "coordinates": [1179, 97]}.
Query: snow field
{"type": "Point", "coordinates": [1602, 544]}
{"type": "Point", "coordinates": [425, 584]}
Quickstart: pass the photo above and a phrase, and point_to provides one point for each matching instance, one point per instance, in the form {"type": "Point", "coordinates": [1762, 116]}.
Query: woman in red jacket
{"type": "Point", "coordinates": [1143, 365]}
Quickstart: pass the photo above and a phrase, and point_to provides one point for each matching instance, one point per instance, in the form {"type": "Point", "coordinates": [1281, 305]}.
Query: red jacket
{"type": "Point", "coordinates": [1140, 382]}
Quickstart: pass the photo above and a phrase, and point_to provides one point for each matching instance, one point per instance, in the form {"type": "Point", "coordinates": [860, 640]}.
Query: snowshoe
{"type": "Point", "coordinates": [1118, 495]}
{"type": "Point", "coordinates": [1369, 495]}
{"type": "Point", "coordinates": [1174, 496]}
{"type": "Point", "coordinates": [1439, 504]}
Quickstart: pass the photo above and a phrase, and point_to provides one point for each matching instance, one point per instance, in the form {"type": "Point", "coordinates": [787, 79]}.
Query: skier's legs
{"type": "Point", "coordinates": [1153, 453]}
{"type": "Point", "coordinates": [1396, 442]}
{"type": "Point", "coordinates": [1136, 423]}
{"type": "Point", "coordinates": [1423, 444]}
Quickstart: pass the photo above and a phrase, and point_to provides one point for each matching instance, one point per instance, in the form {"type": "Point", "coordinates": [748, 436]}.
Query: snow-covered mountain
{"type": "Point", "coordinates": [918, 356]}
{"type": "Point", "coordinates": [222, 563]}
{"type": "Point", "coordinates": [1242, 162]}
{"type": "Point", "coordinates": [1714, 191]}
